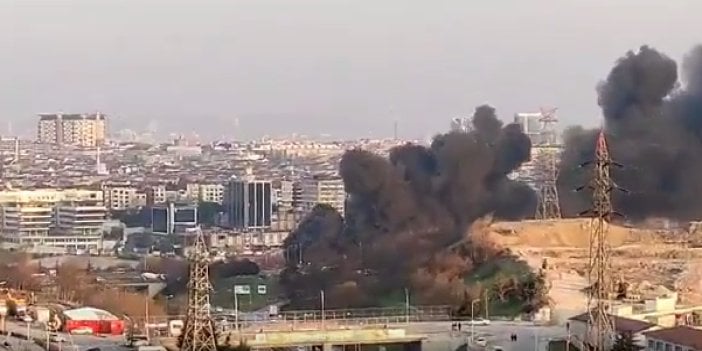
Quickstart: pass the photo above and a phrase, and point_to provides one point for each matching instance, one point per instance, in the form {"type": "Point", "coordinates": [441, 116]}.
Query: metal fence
{"type": "Point", "coordinates": [313, 319]}
{"type": "Point", "coordinates": [414, 313]}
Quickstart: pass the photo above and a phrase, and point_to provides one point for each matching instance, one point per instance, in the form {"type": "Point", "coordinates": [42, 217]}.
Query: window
{"type": "Point", "coordinates": [668, 347]}
{"type": "Point", "coordinates": [651, 345]}
{"type": "Point", "coordinates": [678, 348]}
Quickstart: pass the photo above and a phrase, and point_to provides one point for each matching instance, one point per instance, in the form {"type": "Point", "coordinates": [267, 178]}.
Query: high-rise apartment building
{"type": "Point", "coordinates": [248, 204]}
{"type": "Point", "coordinates": [322, 189]}
{"type": "Point", "coordinates": [82, 130]}
{"type": "Point", "coordinates": [71, 219]}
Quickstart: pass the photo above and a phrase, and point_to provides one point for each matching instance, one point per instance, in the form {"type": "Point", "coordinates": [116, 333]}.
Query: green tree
{"type": "Point", "coordinates": [625, 342]}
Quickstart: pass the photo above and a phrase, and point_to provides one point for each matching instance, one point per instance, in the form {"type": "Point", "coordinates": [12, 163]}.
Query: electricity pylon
{"type": "Point", "coordinates": [199, 328]}
{"type": "Point", "coordinates": [600, 331]}
{"type": "Point", "coordinates": [549, 206]}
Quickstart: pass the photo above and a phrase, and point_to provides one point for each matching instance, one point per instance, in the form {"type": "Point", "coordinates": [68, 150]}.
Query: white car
{"type": "Point", "coordinates": [479, 322]}
{"type": "Point", "coordinates": [57, 338]}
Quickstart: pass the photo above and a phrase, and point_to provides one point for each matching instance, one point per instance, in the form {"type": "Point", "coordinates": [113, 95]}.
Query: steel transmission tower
{"type": "Point", "coordinates": [549, 205]}
{"type": "Point", "coordinates": [600, 327]}
{"type": "Point", "coordinates": [199, 328]}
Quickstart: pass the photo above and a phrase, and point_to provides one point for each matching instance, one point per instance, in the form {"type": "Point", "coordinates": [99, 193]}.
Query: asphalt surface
{"type": "Point", "coordinates": [72, 342]}
{"type": "Point", "coordinates": [9, 343]}
{"type": "Point", "coordinates": [440, 337]}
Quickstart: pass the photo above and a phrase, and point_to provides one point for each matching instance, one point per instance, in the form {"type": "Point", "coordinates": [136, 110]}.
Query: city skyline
{"type": "Point", "coordinates": [319, 67]}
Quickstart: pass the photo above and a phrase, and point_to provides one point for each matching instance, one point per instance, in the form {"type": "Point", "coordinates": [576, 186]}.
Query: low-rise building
{"type": "Point", "coordinates": [121, 198]}
{"type": "Point", "coordinates": [248, 241]}
{"type": "Point", "coordinates": [323, 189]}
{"type": "Point", "coordinates": [580, 329]}
{"type": "Point", "coordinates": [210, 193]}
{"type": "Point", "coordinates": [70, 219]}
{"type": "Point", "coordinates": [173, 218]}
{"type": "Point", "coordinates": [680, 338]}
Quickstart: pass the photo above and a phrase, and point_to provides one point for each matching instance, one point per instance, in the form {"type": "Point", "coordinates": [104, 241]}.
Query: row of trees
{"type": "Point", "coordinates": [74, 283]}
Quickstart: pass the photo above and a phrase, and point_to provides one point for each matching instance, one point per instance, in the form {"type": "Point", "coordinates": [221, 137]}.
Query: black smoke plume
{"type": "Point", "coordinates": [404, 212]}
{"type": "Point", "coordinates": [653, 123]}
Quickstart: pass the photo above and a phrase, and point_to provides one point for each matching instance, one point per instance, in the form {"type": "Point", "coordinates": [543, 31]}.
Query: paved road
{"type": "Point", "coordinates": [73, 342]}
{"type": "Point", "coordinates": [9, 343]}
{"type": "Point", "coordinates": [529, 336]}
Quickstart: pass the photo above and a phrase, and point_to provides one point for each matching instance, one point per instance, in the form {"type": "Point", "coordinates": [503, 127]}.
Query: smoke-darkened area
{"type": "Point", "coordinates": [653, 123]}
{"type": "Point", "coordinates": [409, 219]}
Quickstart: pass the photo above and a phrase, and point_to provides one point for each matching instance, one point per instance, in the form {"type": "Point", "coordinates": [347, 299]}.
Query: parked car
{"type": "Point", "coordinates": [479, 321]}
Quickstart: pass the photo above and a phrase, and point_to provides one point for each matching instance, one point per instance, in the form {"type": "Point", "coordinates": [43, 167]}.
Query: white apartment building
{"type": "Point", "coordinates": [120, 198]}
{"type": "Point", "coordinates": [70, 219]}
{"type": "Point", "coordinates": [192, 190]}
{"type": "Point", "coordinates": [207, 192]}
{"type": "Point", "coordinates": [158, 194]}
{"type": "Point", "coordinates": [82, 130]}
{"type": "Point", "coordinates": [321, 189]}
{"type": "Point", "coordinates": [284, 194]}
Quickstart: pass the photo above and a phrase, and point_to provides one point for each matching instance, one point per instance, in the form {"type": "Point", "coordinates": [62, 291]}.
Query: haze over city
{"type": "Point", "coordinates": [328, 175]}
{"type": "Point", "coordinates": [343, 68]}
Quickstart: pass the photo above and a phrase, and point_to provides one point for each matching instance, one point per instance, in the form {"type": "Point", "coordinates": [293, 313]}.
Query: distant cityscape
{"type": "Point", "coordinates": [77, 190]}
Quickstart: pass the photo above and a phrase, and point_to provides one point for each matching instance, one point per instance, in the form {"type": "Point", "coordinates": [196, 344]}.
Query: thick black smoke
{"type": "Point", "coordinates": [653, 125]}
{"type": "Point", "coordinates": [404, 211]}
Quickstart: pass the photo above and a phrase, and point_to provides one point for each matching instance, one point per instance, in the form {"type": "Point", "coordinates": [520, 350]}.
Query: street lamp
{"type": "Point", "coordinates": [407, 306]}
{"type": "Point", "coordinates": [472, 319]}
{"type": "Point", "coordinates": [321, 298]}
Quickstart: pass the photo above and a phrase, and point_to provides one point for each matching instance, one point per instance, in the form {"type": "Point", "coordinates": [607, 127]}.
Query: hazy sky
{"type": "Point", "coordinates": [346, 68]}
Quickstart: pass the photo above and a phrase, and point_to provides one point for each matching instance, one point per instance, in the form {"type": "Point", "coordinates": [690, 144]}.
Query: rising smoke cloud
{"type": "Point", "coordinates": [404, 211]}
{"type": "Point", "coordinates": [653, 123]}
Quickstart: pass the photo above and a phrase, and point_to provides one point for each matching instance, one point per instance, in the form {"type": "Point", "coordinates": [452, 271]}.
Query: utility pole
{"type": "Point", "coordinates": [199, 328]}
{"type": "Point", "coordinates": [321, 299]}
{"type": "Point", "coordinates": [487, 303]}
{"type": "Point", "coordinates": [472, 320]}
{"type": "Point", "coordinates": [407, 306]}
{"type": "Point", "coordinates": [236, 310]}
{"type": "Point", "coordinates": [146, 317]}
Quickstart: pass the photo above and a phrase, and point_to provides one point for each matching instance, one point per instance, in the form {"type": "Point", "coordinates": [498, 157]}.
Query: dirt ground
{"type": "Point", "coordinates": [653, 262]}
